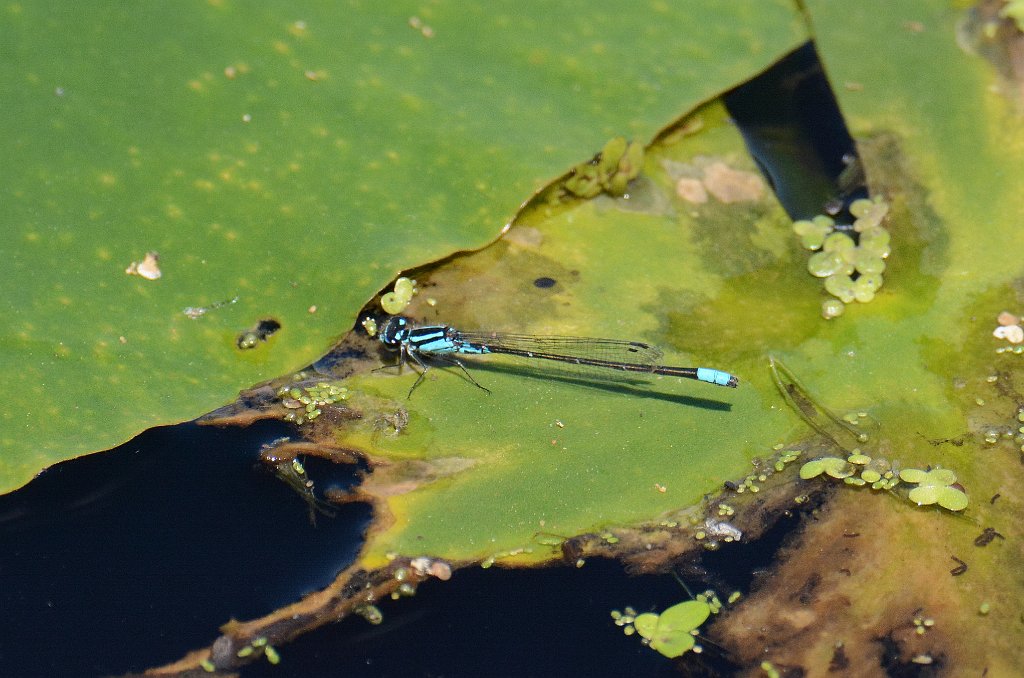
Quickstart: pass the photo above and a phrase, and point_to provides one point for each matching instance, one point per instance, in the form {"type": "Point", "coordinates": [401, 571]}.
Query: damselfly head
{"type": "Point", "coordinates": [395, 331]}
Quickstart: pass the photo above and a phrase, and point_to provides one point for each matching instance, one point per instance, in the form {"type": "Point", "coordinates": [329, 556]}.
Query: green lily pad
{"type": "Point", "coordinates": [939, 130]}
{"type": "Point", "coordinates": [285, 162]}
{"type": "Point", "coordinates": [569, 453]}
{"type": "Point", "coordinates": [472, 475]}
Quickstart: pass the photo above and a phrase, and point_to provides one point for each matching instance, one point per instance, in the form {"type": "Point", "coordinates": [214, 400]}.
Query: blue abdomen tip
{"type": "Point", "coordinates": [717, 377]}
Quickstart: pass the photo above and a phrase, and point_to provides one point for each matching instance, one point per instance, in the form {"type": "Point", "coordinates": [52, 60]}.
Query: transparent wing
{"type": "Point", "coordinates": [568, 348]}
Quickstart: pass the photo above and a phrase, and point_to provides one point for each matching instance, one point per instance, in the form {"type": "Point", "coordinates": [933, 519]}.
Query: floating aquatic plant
{"type": "Point", "coordinates": [850, 258]}
{"type": "Point", "coordinates": [673, 632]}
{"type": "Point", "coordinates": [305, 403]}
{"type": "Point", "coordinates": [832, 466]}
{"type": "Point", "coordinates": [618, 163]}
{"type": "Point", "coordinates": [937, 486]}
{"type": "Point", "coordinates": [933, 487]}
{"type": "Point", "coordinates": [397, 300]}
{"type": "Point", "coordinates": [857, 468]}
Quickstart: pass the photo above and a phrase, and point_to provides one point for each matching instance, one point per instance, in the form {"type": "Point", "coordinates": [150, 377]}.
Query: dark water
{"type": "Point", "coordinates": [547, 622]}
{"type": "Point", "coordinates": [497, 623]}
{"type": "Point", "coordinates": [793, 128]}
{"type": "Point", "coordinates": [127, 559]}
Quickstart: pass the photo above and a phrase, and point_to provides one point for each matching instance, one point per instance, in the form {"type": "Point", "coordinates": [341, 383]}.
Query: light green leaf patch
{"type": "Point", "coordinates": [556, 451]}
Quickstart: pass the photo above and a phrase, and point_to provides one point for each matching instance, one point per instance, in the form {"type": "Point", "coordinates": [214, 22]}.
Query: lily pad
{"type": "Point", "coordinates": [940, 133]}
{"type": "Point", "coordinates": [285, 162]}
{"type": "Point", "coordinates": [569, 451]}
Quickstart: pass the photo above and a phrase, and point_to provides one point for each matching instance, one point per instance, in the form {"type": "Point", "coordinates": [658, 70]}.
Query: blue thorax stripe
{"type": "Point", "coordinates": [432, 339]}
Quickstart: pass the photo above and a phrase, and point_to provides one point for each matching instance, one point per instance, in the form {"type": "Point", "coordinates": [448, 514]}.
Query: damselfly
{"type": "Point", "coordinates": [445, 342]}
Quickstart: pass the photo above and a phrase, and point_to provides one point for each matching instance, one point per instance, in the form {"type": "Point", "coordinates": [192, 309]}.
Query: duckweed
{"type": "Point", "coordinates": [625, 617]}
{"type": "Point", "coordinates": [831, 466]}
{"type": "Point", "coordinates": [672, 632]}
{"type": "Point", "coordinates": [841, 286]}
{"type": "Point", "coordinates": [711, 598]}
{"type": "Point", "coordinates": [610, 171]}
{"type": "Point", "coordinates": [922, 624]}
{"type": "Point", "coordinates": [391, 304]}
{"type": "Point", "coordinates": [866, 262]}
{"type": "Point", "coordinates": [838, 242]}
{"type": "Point", "coordinates": [851, 259]}
{"type": "Point", "coordinates": [871, 476]}
{"type": "Point", "coordinates": [405, 288]}
{"type": "Point", "coordinates": [305, 403]}
{"type": "Point", "coordinates": [875, 241]}
{"type": "Point", "coordinates": [868, 212]}
{"type": "Point", "coordinates": [254, 336]}
{"type": "Point", "coordinates": [396, 301]}
{"type": "Point", "coordinates": [862, 293]}
{"type": "Point", "coordinates": [937, 486]}
{"type": "Point", "coordinates": [949, 498]}
{"type": "Point", "coordinates": [824, 264]}
{"type": "Point", "coordinates": [939, 476]}
{"type": "Point", "coordinates": [832, 308]}
{"type": "Point", "coordinates": [872, 280]}
{"type": "Point", "coordinates": [812, 233]}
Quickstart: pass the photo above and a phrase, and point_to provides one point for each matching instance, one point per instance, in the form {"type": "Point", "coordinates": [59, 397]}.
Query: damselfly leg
{"type": "Point", "coordinates": [411, 357]}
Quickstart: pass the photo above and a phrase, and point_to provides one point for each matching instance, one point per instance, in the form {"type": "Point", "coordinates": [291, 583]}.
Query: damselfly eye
{"type": "Point", "coordinates": [393, 331]}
